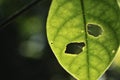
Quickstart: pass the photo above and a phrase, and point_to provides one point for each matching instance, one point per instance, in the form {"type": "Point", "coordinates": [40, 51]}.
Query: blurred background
{"type": "Point", "coordinates": [24, 50]}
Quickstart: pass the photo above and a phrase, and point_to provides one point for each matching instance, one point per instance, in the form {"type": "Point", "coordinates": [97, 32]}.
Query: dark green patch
{"type": "Point", "coordinates": [94, 30]}
{"type": "Point", "coordinates": [51, 43]}
{"type": "Point", "coordinates": [74, 48]}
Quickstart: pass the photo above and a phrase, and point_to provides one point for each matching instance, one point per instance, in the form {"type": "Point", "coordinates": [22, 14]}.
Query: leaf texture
{"type": "Point", "coordinates": [68, 22]}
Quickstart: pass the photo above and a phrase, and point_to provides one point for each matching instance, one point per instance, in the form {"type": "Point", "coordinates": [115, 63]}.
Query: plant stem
{"type": "Point", "coordinates": [18, 13]}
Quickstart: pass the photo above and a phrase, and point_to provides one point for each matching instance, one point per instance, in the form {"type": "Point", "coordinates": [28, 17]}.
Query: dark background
{"type": "Point", "coordinates": [24, 50]}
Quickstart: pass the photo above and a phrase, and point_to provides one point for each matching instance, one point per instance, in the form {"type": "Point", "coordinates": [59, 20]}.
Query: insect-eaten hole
{"type": "Point", "coordinates": [74, 48]}
{"type": "Point", "coordinates": [94, 30]}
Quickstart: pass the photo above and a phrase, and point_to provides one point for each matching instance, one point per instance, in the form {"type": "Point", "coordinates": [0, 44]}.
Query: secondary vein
{"type": "Point", "coordinates": [86, 38]}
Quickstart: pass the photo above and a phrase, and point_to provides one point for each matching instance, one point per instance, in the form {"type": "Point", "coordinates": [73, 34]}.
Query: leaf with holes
{"type": "Point", "coordinates": [84, 35]}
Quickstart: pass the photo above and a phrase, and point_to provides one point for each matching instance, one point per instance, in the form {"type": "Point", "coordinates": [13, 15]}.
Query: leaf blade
{"type": "Point", "coordinates": [67, 23]}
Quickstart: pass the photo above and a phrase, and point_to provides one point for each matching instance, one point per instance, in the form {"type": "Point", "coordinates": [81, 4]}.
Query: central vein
{"type": "Point", "coordinates": [84, 21]}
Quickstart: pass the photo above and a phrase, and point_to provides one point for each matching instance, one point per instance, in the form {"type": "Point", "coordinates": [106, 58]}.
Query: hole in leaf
{"type": "Point", "coordinates": [94, 30]}
{"type": "Point", "coordinates": [74, 48]}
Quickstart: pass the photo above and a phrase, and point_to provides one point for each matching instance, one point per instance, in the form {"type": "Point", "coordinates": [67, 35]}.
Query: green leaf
{"type": "Point", "coordinates": [116, 61]}
{"type": "Point", "coordinates": [84, 35]}
{"type": "Point", "coordinates": [118, 2]}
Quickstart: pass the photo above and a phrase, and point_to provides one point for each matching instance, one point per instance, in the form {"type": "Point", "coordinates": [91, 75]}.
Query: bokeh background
{"type": "Point", "coordinates": [24, 50]}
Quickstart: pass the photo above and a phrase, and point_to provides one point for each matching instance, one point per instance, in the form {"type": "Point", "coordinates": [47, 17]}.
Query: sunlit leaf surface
{"type": "Point", "coordinates": [84, 35]}
{"type": "Point", "coordinates": [118, 2]}
{"type": "Point", "coordinates": [116, 61]}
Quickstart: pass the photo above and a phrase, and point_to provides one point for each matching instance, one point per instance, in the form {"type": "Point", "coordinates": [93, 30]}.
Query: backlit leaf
{"type": "Point", "coordinates": [96, 23]}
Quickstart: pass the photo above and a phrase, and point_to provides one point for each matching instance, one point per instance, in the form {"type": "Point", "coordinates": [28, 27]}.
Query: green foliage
{"type": "Point", "coordinates": [68, 23]}
{"type": "Point", "coordinates": [118, 2]}
{"type": "Point", "coordinates": [116, 61]}
{"type": "Point", "coordinates": [32, 31]}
